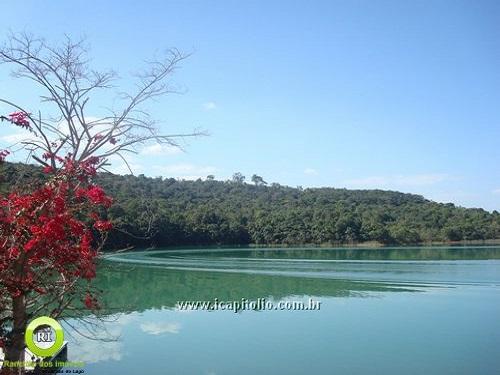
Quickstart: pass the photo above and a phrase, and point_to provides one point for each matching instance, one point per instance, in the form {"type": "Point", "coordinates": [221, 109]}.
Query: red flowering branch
{"type": "Point", "coordinates": [49, 239]}
{"type": "Point", "coordinates": [20, 119]}
{"type": "Point", "coordinates": [51, 228]}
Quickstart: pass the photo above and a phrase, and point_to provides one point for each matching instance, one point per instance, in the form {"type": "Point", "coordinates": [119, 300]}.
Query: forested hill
{"type": "Point", "coordinates": [168, 212]}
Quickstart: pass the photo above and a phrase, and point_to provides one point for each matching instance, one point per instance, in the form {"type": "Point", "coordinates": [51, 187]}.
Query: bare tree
{"type": "Point", "coordinates": [67, 81]}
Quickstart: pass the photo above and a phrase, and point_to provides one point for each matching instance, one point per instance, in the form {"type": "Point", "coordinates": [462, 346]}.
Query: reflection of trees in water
{"type": "Point", "coordinates": [346, 253]}
{"type": "Point", "coordinates": [407, 253]}
{"type": "Point", "coordinates": [137, 288]}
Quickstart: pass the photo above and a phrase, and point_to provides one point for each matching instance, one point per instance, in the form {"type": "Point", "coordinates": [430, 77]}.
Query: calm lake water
{"type": "Point", "coordinates": [422, 310]}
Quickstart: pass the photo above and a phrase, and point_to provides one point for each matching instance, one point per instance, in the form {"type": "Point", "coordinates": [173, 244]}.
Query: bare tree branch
{"type": "Point", "coordinates": [68, 83]}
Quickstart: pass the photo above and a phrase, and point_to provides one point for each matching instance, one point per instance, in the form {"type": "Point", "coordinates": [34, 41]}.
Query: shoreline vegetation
{"type": "Point", "coordinates": [376, 245]}
{"type": "Point", "coordinates": [327, 246]}
{"type": "Point", "coordinates": [436, 245]}
{"type": "Point", "coordinates": [363, 245]}
{"type": "Point", "coordinates": [167, 213]}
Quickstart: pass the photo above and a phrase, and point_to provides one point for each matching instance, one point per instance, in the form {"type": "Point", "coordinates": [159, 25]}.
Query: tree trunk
{"type": "Point", "coordinates": [14, 350]}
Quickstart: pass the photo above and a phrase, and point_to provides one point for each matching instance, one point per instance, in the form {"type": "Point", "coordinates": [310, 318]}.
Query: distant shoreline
{"type": "Point", "coordinates": [361, 245]}
{"type": "Point", "coordinates": [375, 244]}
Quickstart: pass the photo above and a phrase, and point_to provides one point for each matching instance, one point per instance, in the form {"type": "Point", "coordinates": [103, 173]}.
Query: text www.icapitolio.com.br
{"type": "Point", "coordinates": [260, 304]}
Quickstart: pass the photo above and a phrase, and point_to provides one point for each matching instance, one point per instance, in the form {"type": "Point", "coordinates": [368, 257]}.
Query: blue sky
{"type": "Point", "coordinates": [400, 95]}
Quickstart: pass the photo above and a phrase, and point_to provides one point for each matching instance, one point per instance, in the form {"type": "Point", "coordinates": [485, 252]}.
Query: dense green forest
{"type": "Point", "coordinates": [168, 212]}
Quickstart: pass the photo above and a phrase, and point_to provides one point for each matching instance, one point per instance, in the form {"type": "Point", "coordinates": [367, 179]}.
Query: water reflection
{"type": "Point", "coordinates": [346, 253]}
{"type": "Point", "coordinates": [157, 279]}
{"type": "Point", "coordinates": [419, 303]}
{"type": "Point", "coordinates": [130, 288]}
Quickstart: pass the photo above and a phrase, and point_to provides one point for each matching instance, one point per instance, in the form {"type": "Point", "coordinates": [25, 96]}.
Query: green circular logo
{"type": "Point", "coordinates": [39, 336]}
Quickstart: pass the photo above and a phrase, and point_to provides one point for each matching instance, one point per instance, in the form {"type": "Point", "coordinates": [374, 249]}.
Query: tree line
{"type": "Point", "coordinates": [163, 212]}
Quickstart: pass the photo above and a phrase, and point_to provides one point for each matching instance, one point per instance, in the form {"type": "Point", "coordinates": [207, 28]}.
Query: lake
{"type": "Point", "coordinates": [416, 310]}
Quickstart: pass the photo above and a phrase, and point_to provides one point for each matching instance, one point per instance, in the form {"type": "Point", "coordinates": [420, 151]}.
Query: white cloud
{"type": "Point", "coordinates": [158, 149]}
{"type": "Point", "coordinates": [311, 172]}
{"type": "Point", "coordinates": [185, 171]}
{"type": "Point", "coordinates": [397, 180]}
{"type": "Point", "coordinates": [93, 351]}
{"type": "Point", "coordinates": [496, 191]}
{"type": "Point", "coordinates": [108, 349]}
{"type": "Point", "coordinates": [15, 137]}
{"type": "Point", "coordinates": [208, 106]}
{"type": "Point", "coordinates": [155, 328]}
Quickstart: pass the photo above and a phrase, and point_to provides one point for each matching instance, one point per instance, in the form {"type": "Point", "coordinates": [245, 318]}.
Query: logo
{"type": "Point", "coordinates": [44, 336]}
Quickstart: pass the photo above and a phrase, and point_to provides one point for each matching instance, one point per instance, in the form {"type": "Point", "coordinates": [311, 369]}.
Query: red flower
{"type": "Point", "coordinates": [103, 226]}
{"type": "Point", "coordinates": [81, 193]}
{"type": "Point", "coordinates": [49, 155]}
{"type": "Point", "coordinates": [52, 227]}
{"type": "Point", "coordinates": [97, 196]}
{"type": "Point", "coordinates": [20, 119]}
{"type": "Point", "coordinates": [44, 227]}
{"type": "Point", "coordinates": [31, 244]}
{"type": "Point", "coordinates": [89, 301]}
{"type": "Point", "coordinates": [77, 227]}
{"type": "Point", "coordinates": [3, 155]}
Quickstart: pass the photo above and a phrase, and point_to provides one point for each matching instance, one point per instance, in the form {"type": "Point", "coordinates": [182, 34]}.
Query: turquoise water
{"type": "Point", "coordinates": [383, 311]}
